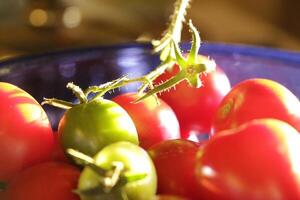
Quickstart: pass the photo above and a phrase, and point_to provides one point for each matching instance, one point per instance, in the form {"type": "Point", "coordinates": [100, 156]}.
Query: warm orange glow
{"type": "Point", "coordinates": [38, 17]}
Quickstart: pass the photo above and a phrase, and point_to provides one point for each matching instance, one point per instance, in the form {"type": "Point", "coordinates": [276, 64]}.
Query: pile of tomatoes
{"type": "Point", "coordinates": [116, 149]}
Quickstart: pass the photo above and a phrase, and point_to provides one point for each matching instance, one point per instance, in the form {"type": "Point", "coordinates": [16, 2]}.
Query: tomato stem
{"type": "Point", "coordinates": [110, 182]}
{"type": "Point", "coordinates": [86, 160]}
{"type": "Point", "coordinates": [173, 32]}
{"type": "Point", "coordinates": [78, 92]}
{"type": "Point", "coordinates": [109, 177]}
{"type": "Point", "coordinates": [57, 103]}
{"type": "Point", "coordinates": [170, 54]}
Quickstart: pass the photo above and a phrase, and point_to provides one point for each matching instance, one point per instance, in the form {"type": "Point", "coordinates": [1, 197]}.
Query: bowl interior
{"type": "Point", "coordinates": [46, 75]}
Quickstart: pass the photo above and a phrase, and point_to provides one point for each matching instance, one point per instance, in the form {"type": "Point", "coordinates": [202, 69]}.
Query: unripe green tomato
{"type": "Point", "coordinates": [89, 127]}
{"type": "Point", "coordinates": [135, 160]}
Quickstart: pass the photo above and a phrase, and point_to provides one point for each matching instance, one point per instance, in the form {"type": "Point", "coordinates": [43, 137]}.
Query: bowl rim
{"type": "Point", "coordinates": [206, 47]}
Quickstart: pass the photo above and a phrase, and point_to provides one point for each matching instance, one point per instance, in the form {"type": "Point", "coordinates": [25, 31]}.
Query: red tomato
{"type": "Point", "coordinates": [257, 98]}
{"type": "Point", "coordinates": [169, 197]}
{"type": "Point", "coordinates": [175, 161]}
{"type": "Point", "coordinates": [195, 107]}
{"type": "Point", "coordinates": [26, 136]}
{"type": "Point", "coordinates": [154, 122]}
{"type": "Point", "coordinates": [58, 153]}
{"type": "Point", "coordinates": [258, 160]}
{"type": "Point", "coordinates": [46, 181]}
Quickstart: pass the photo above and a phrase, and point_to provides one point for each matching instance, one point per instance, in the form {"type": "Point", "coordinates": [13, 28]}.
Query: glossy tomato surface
{"type": "Point", "coordinates": [175, 162]}
{"type": "Point", "coordinates": [257, 98]}
{"type": "Point", "coordinates": [135, 160]}
{"type": "Point", "coordinates": [26, 136]}
{"type": "Point", "coordinates": [258, 160]}
{"type": "Point", "coordinates": [154, 119]}
{"type": "Point", "coordinates": [195, 107]}
{"type": "Point", "coordinates": [45, 181]}
{"type": "Point", "coordinates": [91, 126]}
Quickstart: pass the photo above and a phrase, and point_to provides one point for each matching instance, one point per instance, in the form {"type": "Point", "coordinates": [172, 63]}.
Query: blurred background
{"type": "Point", "coordinates": [32, 26]}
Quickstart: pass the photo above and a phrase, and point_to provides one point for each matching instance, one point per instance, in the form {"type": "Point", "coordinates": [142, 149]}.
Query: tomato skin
{"type": "Point", "coordinates": [257, 98]}
{"type": "Point", "coordinates": [58, 153]}
{"type": "Point", "coordinates": [195, 107]}
{"type": "Point", "coordinates": [47, 181]}
{"type": "Point", "coordinates": [26, 136]}
{"type": "Point", "coordinates": [257, 160]}
{"type": "Point", "coordinates": [175, 162]}
{"type": "Point", "coordinates": [154, 122]}
{"type": "Point", "coordinates": [169, 197]}
{"type": "Point", "coordinates": [91, 126]}
{"type": "Point", "coordinates": [135, 160]}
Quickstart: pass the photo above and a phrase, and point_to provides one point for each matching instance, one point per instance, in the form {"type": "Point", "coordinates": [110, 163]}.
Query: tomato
{"type": "Point", "coordinates": [25, 132]}
{"type": "Point", "coordinates": [257, 160]}
{"type": "Point", "coordinates": [135, 161]}
{"type": "Point", "coordinates": [169, 197]}
{"type": "Point", "coordinates": [195, 107]}
{"type": "Point", "coordinates": [58, 153]}
{"type": "Point", "coordinates": [47, 181]}
{"type": "Point", "coordinates": [175, 162]}
{"type": "Point", "coordinates": [90, 126]}
{"type": "Point", "coordinates": [154, 122]}
{"type": "Point", "coordinates": [257, 98]}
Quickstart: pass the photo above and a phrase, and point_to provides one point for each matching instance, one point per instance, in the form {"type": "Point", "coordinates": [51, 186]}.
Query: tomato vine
{"type": "Point", "coordinates": [170, 54]}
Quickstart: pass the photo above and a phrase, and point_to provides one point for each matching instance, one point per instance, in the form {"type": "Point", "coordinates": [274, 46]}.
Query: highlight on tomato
{"type": "Point", "coordinates": [26, 136]}
{"type": "Point", "coordinates": [155, 121]}
{"type": "Point", "coordinates": [195, 107]}
{"type": "Point", "coordinates": [256, 98]}
{"type": "Point", "coordinates": [257, 160]}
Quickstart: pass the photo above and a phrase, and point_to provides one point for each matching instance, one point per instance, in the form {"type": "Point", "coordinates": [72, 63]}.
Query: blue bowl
{"type": "Point", "coordinates": [46, 75]}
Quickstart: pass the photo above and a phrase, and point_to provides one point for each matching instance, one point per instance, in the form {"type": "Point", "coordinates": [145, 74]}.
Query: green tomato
{"type": "Point", "coordinates": [135, 161]}
{"type": "Point", "coordinates": [89, 127]}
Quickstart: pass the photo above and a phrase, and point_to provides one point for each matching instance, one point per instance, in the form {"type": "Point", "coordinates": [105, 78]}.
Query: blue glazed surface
{"type": "Point", "coordinates": [46, 75]}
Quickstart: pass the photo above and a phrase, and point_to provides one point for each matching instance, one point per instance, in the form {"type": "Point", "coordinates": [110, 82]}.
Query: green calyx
{"type": "Point", "coordinates": [111, 182]}
{"type": "Point", "coordinates": [190, 67]}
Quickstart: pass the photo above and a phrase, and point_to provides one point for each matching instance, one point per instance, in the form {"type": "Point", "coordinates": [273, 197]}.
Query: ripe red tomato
{"type": "Point", "coordinates": [46, 181]}
{"type": "Point", "coordinates": [154, 123]}
{"type": "Point", "coordinates": [175, 162]}
{"type": "Point", "coordinates": [26, 136]}
{"type": "Point", "coordinates": [257, 98]}
{"type": "Point", "coordinates": [195, 107]}
{"type": "Point", "coordinates": [91, 126]}
{"type": "Point", "coordinates": [258, 160]}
